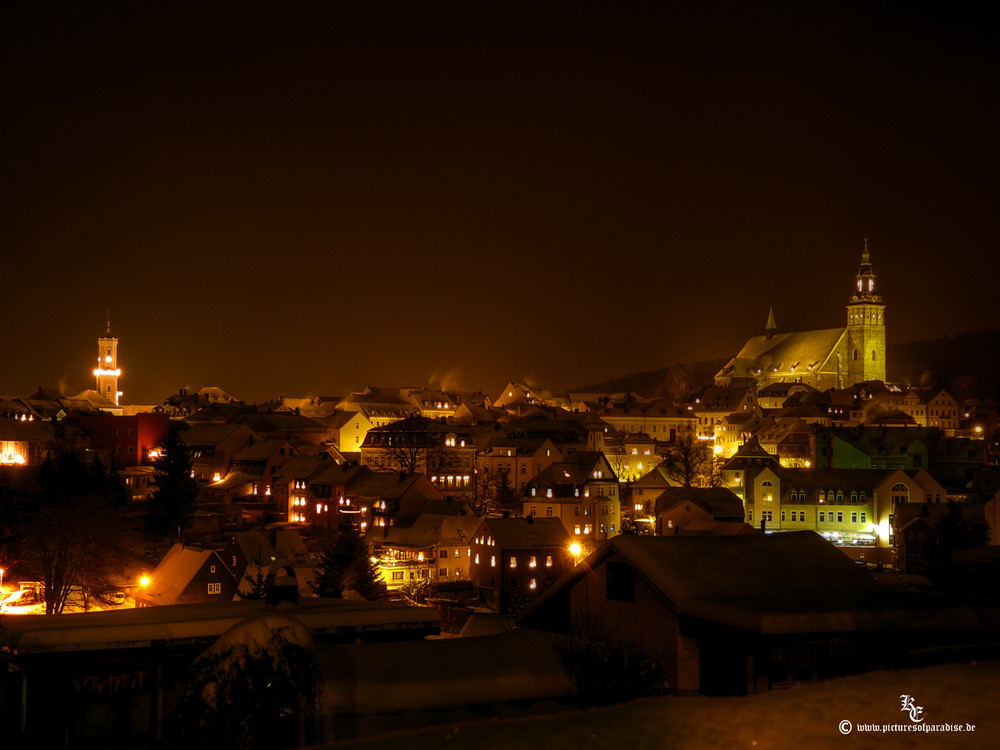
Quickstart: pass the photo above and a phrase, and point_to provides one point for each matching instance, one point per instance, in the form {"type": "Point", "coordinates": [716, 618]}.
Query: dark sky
{"type": "Point", "coordinates": [308, 201]}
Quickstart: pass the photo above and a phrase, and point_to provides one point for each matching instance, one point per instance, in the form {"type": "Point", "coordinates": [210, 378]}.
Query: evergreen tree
{"type": "Point", "coordinates": [344, 564]}
{"type": "Point", "coordinates": [366, 579]}
{"type": "Point", "coordinates": [256, 578]}
{"type": "Point", "coordinates": [173, 498]}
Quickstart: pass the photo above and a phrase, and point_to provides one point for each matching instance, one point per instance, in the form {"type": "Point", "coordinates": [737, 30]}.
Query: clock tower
{"type": "Point", "coordinates": [865, 327]}
{"type": "Point", "coordinates": [107, 371]}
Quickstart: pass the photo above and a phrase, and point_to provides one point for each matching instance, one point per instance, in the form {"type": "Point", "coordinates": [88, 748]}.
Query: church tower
{"type": "Point", "coordinates": [107, 371]}
{"type": "Point", "coordinates": [865, 328]}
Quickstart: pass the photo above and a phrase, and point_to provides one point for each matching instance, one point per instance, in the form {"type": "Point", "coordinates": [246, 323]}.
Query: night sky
{"type": "Point", "coordinates": [307, 201]}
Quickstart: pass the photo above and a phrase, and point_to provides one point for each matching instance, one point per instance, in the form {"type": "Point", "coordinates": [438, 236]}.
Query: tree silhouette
{"type": "Point", "coordinates": [74, 539]}
{"type": "Point", "coordinates": [344, 564]}
{"type": "Point", "coordinates": [172, 501]}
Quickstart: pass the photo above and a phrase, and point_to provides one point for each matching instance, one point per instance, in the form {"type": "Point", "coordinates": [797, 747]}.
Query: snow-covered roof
{"type": "Point", "coordinates": [174, 573]}
{"type": "Point", "coordinates": [180, 623]}
{"type": "Point", "coordinates": [793, 582]}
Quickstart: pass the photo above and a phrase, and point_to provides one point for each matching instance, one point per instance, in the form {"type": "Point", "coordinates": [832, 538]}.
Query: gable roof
{"type": "Point", "coordinates": [792, 582]}
{"type": "Point", "coordinates": [175, 571]}
{"type": "Point", "coordinates": [721, 503]}
{"type": "Point", "coordinates": [522, 533]}
{"type": "Point", "coordinates": [807, 349]}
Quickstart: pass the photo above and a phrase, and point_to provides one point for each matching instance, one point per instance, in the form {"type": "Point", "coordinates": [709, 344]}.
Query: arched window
{"type": "Point", "coordinates": [854, 497]}
{"type": "Point", "coordinates": [900, 493]}
{"type": "Point", "coordinates": [854, 355]}
{"type": "Point", "coordinates": [840, 496]}
{"type": "Point", "coordinates": [765, 490]}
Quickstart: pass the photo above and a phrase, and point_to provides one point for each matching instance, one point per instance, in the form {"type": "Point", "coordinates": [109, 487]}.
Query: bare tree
{"type": "Point", "coordinates": [689, 459]}
{"type": "Point", "coordinates": [506, 497]}
{"type": "Point", "coordinates": [76, 547]}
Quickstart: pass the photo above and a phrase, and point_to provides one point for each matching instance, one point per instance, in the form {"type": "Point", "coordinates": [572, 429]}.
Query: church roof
{"type": "Point", "coordinates": [784, 350]}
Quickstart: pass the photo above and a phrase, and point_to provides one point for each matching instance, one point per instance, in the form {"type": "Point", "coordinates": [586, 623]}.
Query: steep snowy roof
{"type": "Point", "coordinates": [175, 572]}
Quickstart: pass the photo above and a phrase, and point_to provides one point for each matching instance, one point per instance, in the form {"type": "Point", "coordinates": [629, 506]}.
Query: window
{"type": "Point", "coordinates": [212, 569]}
{"type": "Point", "coordinates": [822, 516]}
{"type": "Point", "coordinates": [548, 510]}
{"type": "Point", "coordinates": [444, 554]}
{"type": "Point", "coordinates": [493, 561]}
{"type": "Point", "coordinates": [782, 516]}
{"type": "Point", "coordinates": [576, 529]}
{"type": "Point", "coordinates": [443, 572]}
{"type": "Point", "coordinates": [513, 561]}
{"type": "Point", "coordinates": [532, 562]}
{"type": "Point", "coordinates": [457, 553]}
{"type": "Point", "coordinates": [863, 517]}
{"type": "Point", "coordinates": [840, 516]}
{"type": "Point", "coordinates": [397, 575]}
{"type": "Point", "coordinates": [215, 588]}
{"type": "Point", "coordinates": [854, 517]}
{"type": "Point", "coordinates": [619, 581]}
{"type": "Point", "coordinates": [900, 493]}
{"type": "Point", "coordinates": [548, 561]}
{"type": "Point", "coordinates": [533, 584]}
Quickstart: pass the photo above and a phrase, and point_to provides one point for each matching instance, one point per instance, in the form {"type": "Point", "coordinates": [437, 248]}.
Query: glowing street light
{"type": "Point", "coordinates": [575, 549]}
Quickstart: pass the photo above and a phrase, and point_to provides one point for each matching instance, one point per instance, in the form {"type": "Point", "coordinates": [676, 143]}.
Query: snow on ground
{"type": "Point", "coordinates": [807, 717]}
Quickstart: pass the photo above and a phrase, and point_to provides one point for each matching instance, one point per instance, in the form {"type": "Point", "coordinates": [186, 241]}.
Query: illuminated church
{"type": "Point", "coordinates": [830, 358]}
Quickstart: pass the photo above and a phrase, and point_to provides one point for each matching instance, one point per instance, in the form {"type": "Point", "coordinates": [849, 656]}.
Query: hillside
{"type": "Point", "coordinates": [968, 364]}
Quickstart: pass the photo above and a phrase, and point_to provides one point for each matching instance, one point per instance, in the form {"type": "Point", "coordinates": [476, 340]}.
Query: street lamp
{"type": "Point", "coordinates": [574, 549]}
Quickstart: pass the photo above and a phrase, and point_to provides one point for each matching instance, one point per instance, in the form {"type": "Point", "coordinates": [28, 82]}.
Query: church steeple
{"type": "Point", "coordinates": [771, 326]}
{"type": "Point", "coordinates": [865, 287]}
{"type": "Point", "coordinates": [865, 338]}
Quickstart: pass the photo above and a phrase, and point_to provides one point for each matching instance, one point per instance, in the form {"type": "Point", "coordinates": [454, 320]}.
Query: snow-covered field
{"type": "Point", "coordinates": [809, 717]}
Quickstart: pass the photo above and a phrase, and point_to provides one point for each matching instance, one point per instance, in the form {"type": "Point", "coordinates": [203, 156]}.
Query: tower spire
{"type": "Point", "coordinates": [771, 326]}
{"type": "Point", "coordinates": [865, 280]}
{"type": "Point", "coordinates": [109, 321]}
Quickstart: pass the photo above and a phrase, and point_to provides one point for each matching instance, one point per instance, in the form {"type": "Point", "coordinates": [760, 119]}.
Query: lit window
{"type": "Point", "coordinates": [531, 561]}
{"type": "Point", "coordinates": [548, 561]}
{"type": "Point", "coordinates": [513, 561]}
{"type": "Point", "coordinates": [493, 561]}
{"type": "Point", "coordinates": [533, 585]}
